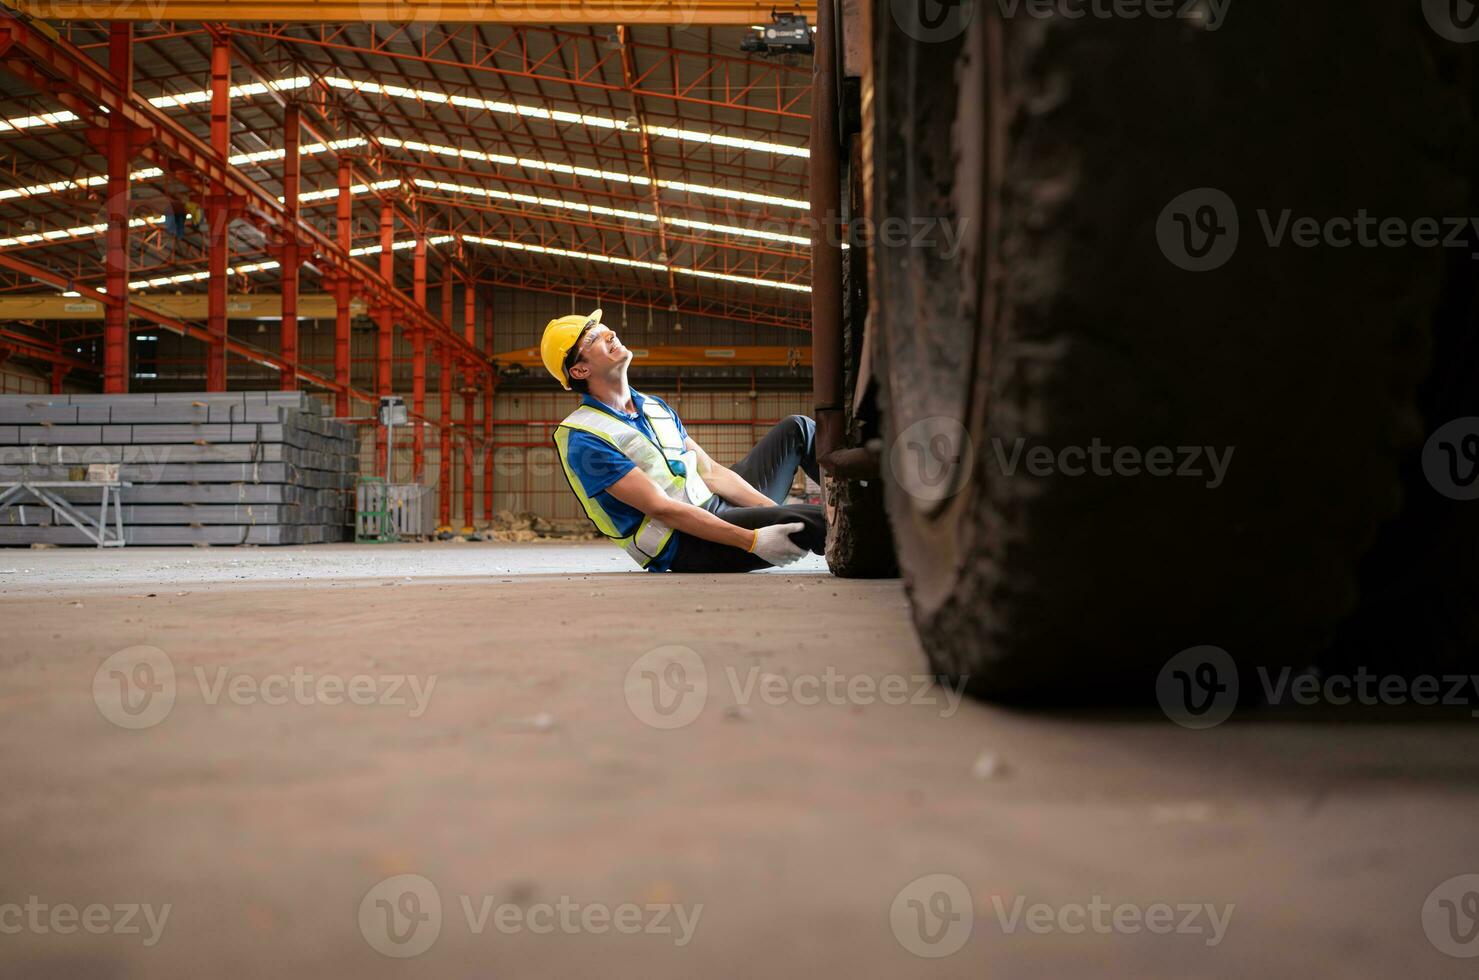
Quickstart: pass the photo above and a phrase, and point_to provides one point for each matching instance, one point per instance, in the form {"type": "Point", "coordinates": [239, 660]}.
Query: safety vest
{"type": "Point", "coordinates": [652, 458]}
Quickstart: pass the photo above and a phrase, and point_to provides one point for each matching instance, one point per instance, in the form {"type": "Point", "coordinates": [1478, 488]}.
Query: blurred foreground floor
{"type": "Point", "coordinates": [592, 772]}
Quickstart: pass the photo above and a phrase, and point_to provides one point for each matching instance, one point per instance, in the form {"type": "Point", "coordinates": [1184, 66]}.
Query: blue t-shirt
{"type": "Point", "coordinates": [597, 464]}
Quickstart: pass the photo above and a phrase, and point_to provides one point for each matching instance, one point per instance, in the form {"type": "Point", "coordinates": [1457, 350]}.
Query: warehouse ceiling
{"type": "Point", "coordinates": [652, 165]}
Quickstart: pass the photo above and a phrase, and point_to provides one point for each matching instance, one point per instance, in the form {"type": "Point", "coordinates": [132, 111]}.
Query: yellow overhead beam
{"type": "Point", "coordinates": [670, 12]}
{"type": "Point", "coordinates": [717, 355]}
{"type": "Point", "coordinates": [251, 306]}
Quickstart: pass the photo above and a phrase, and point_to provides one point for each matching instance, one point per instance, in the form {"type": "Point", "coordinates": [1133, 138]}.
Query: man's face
{"type": "Point", "coordinates": [600, 352]}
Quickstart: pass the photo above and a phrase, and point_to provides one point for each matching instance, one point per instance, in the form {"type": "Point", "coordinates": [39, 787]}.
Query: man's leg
{"type": "Point", "coordinates": [771, 466]}
{"type": "Point", "coordinates": [698, 555]}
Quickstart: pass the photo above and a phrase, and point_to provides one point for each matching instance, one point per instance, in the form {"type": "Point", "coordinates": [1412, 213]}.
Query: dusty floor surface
{"type": "Point", "coordinates": [509, 750]}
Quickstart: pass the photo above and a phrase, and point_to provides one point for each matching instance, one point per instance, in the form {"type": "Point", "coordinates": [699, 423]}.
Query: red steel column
{"type": "Point", "coordinates": [290, 255]}
{"type": "Point", "coordinates": [492, 385]}
{"type": "Point", "coordinates": [217, 217]}
{"type": "Point", "coordinates": [341, 295]}
{"type": "Point", "coordinates": [385, 324]}
{"type": "Point", "coordinates": [447, 295]}
{"type": "Point", "coordinates": [470, 334]}
{"type": "Point", "coordinates": [418, 360]}
{"type": "Point", "coordinates": [444, 467]}
{"type": "Point", "coordinates": [115, 318]}
{"type": "Point", "coordinates": [58, 375]}
{"type": "Point", "coordinates": [445, 475]}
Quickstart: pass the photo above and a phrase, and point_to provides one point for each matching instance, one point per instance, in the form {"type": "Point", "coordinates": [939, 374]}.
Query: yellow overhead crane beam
{"type": "Point", "coordinates": [248, 306]}
{"type": "Point", "coordinates": [669, 12]}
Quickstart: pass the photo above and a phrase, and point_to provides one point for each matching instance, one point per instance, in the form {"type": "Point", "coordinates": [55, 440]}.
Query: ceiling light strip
{"type": "Point", "coordinates": [618, 260]}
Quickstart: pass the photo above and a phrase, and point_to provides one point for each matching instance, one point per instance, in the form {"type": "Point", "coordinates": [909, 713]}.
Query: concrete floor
{"type": "Point", "coordinates": [505, 757]}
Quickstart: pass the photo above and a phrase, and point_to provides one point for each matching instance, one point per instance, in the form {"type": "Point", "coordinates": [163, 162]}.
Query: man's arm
{"type": "Point", "coordinates": [637, 490]}
{"type": "Point", "coordinates": [725, 481]}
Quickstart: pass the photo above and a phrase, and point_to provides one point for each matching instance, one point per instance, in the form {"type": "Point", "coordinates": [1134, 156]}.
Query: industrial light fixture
{"type": "Point", "coordinates": [632, 263]}
{"type": "Point", "coordinates": [531, 163]}
{"type": "Point", "coordinates": [556, 115]}
{"type": "Point", "coordinates": [181, 99]}
{"type": "Point", "coordinates": [561, 204]}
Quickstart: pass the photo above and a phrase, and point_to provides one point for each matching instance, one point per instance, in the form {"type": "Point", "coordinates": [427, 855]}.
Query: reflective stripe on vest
{"type": "Point", "coordinates": [651, 458]}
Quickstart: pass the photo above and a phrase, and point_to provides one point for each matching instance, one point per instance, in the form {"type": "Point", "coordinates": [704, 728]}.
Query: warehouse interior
{"type": "Point", "coordinates": [462, 194]}
{"type": "Point", "coordinates": [322, 696]}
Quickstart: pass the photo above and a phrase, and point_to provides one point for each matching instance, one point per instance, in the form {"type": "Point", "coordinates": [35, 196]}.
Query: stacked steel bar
{"type": "Point", "coordinates": [250, 467]}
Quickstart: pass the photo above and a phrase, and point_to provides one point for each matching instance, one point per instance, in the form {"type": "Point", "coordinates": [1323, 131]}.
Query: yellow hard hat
{"type": "Point", "coordinates": [560, 334]}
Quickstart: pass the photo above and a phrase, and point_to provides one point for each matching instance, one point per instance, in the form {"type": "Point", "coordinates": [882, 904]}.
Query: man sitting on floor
{"type": "Point", "coordinates": [649, 487]}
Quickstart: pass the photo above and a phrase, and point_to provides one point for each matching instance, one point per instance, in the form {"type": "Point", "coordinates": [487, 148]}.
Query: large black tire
{"type": "Point", "coordinates": [1418, 612]}
{"type": "Point", "coordinates": [1061, 321]}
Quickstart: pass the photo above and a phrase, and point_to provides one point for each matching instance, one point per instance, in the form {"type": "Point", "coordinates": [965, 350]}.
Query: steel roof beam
{"type": "Point", "coordinates": [72, 71]}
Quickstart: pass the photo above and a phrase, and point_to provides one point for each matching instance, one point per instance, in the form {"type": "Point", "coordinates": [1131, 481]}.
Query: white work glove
{"type": "Point", "coordinates": [774, 544]}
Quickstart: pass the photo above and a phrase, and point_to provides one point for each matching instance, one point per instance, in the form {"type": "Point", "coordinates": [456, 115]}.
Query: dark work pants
{"type": "Point", "coordinates": [770, 468]}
